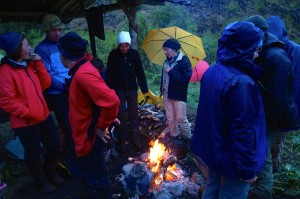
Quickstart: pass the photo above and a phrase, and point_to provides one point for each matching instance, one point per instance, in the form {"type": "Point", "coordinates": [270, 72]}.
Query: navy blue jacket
{"type": "Point", "coordinates": [277, 86]}
{"type": "Point", "coordinates": [292, 49]}
{"type": "Point", "coordinates": [230, 129]}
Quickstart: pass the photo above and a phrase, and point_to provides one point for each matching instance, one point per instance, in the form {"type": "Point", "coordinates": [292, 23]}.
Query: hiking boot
{"type": "Point", "coordinates": [52, 175]}
{"type": "Point", "coordinates": [114, 154]}
{"type": "Point", "coordinates": [37, 174]}
{"type": "Point", "coordinates": [46, 188]}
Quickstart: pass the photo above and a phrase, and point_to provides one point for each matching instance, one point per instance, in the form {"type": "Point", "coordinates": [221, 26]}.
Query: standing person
{"type": "Point", "coordinates": [277, 93]}
{"type": "Point", "coordinates": [230, 129]}
{"type": "Point", "coordinates": [292, 49]}
{"type": "Point", "coordinates": [93, 107]}
{"type": "Point", "coordinates": [22, 80]}
{"type": "Point", "coordinates": [124, 74]}
{"type": "Point", "coordinates": [177, 71]}
{"type": "Point", "coordinates": [99, 65]}
{"type": "Point", "coordinates": [56, 94]}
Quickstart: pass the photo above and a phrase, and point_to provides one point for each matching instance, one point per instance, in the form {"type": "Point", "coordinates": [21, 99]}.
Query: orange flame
{"type": "Point", "coordinates": [157, 152]}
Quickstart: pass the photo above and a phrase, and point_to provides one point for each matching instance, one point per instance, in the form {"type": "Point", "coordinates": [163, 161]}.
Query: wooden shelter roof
{"type": "Point", "coordinates": [34, 10]}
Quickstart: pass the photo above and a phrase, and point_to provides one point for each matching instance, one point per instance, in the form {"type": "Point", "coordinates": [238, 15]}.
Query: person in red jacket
{"type": "Point", "coordinates": [93, 106]}
{"type": "Point", "coordinates": [23, 77]}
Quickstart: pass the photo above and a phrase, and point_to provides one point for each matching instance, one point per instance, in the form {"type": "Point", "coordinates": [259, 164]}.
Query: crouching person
{"type": "Point", "coordinates": [92, 108]}
{"type": "Point", "coordinates": [23, 77]}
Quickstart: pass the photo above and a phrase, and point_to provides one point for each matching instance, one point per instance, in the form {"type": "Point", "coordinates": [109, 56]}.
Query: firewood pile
{"type": "Point", "coordinates": [153, 121]}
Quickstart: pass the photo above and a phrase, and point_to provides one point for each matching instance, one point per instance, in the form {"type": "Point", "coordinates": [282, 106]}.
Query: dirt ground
{"type": "Point", "coordinates": [73, 188]}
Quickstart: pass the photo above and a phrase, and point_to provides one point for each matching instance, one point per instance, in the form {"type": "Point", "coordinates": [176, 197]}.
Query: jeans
{"type": "Point", "coordinates": [92, 169]}
{"type": "Point", "coordinates": [221, 187]}
{"type": "Point", "coordinates": [31, 138]}
{"type": "Point", "coordinates": [131, 99]}
{"type": "Point", "coordinates": [176, 115]}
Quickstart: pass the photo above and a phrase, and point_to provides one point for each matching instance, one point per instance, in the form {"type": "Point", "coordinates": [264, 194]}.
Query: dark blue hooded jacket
{"type": "Point", "coordinates": [230, 130]}
{"type": "Point", "coordinates": [277, 28]}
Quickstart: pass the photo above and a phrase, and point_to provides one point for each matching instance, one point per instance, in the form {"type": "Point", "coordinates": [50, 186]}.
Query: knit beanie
{"type": "Point", "coordinates": [259, 22]}
{"type": "Point", "coordinates": [72, 46]}
{"type": "Point", "coordinates": [124, 37]}
{"type": "Point", "coordinates": [172, 43]}
{"type": "Point", "coordinates": [51, 21]}
{"type": "Point", "coordinates": [9, 41]}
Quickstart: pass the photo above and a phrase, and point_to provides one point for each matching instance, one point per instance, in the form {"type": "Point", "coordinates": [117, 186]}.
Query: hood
{"type": "Point", "coordinates": [272, 40]}
{"type": "Point", "coordinates": [12, 63]}
{"type": "Point", "coordinates": [277, 28]}
{"type": "Point", "coordinates": [237, 45]}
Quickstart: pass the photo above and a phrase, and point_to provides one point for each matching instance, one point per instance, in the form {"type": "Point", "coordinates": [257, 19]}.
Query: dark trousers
{"type": "Point", "coordinates": [129, 103]}
{"type": "Point", "coordinates": [59, 104]}
{"type": "Point", "coordinates": [31, 138]}
{"type": "Point", "coordinates": [92, 169]}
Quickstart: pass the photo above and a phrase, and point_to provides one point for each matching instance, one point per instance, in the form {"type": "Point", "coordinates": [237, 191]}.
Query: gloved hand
{"type": "Point", "coordinates": [160, 101]}
{"type": "Point", "coordinates": [151, 97]}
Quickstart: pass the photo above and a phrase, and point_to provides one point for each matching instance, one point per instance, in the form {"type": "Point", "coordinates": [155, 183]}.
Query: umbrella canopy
{"type": "Point", "coordinates": [191, 45]}
{"type": "Point", "coordinates": [198, 71]}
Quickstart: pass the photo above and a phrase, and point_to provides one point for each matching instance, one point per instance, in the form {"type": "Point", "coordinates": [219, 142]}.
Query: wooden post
{"type": "Point", "coordinates": [130, 13]}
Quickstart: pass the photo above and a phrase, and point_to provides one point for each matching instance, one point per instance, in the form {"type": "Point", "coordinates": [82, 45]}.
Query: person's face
{"type": "Point", "coordinates": [54, 34]}
{"type": "Point", "coordinates": [25, 50]}
{"type": "Point", "coordinates": [169, 52]}
{"type": "Point", "coordinates": [124, 47]}
{"type": "Point", "coordinates": [256, 52]}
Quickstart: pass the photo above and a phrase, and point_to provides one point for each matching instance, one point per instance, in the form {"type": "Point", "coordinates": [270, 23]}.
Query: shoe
{"type": "Point", "coordinates": [47, 188]}
{"type": "Point", "coordinates": [166, 139]}
{"type": "Point", "coordinates": [113, 154]}
{"type": "Point", "coordinates": [52, 175]}
{"type": "Point", "coordinates": [123, 147]}
{"type": "Point", "coordinates": [137, 143]}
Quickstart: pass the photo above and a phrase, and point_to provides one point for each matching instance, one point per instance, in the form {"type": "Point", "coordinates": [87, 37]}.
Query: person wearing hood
{"type": "Point", "coordinates": [292, 49]}
{"type": "Point", "coordinates": [230, 130]}
{"type": "Point", "coordinates": [276, 87]}
{"type": "Point", "coordinates": [23, 77]}
{"type": "Point", "coordinates": [176, 73]}
{"type": "Point", "coordinates": [125, 74]}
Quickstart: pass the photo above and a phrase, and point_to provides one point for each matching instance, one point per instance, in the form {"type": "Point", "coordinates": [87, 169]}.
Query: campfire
{"type": "Point", "coordinates": [156, 173]}
{"type": "Point", "coordinates": [162, 162]}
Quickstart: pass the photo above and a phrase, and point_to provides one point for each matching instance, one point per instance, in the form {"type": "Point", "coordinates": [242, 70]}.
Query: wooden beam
{"type": "Point", "coordinates": [22, 14]}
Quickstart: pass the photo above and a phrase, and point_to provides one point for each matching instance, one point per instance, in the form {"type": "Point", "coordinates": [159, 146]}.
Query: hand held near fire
{"type": "Point", "coordinates": [104, 135]}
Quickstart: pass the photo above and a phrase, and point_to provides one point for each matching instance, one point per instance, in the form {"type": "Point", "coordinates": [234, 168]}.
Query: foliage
{"type": "Point", "coordinates": [287, 180]}
{"type": "Point", "coordinates": [172, 15]}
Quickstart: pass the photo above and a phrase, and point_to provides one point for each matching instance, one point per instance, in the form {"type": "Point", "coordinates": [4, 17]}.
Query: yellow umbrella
{"type": "Point", "coordinates": [191, 45]}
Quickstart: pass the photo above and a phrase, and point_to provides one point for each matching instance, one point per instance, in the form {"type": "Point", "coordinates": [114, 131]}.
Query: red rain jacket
{"type": "Point", "coordinates": [21, 93]}
{"type": "Point", "coordinates": [88, 88]}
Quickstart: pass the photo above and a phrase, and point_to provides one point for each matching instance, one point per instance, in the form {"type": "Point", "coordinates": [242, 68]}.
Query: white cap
{"type": "Point", "coordinates": [124, 37]}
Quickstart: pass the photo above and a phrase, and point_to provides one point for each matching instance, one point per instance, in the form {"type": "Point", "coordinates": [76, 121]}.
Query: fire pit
{"type": "Point", "coordinates": [157, 174]}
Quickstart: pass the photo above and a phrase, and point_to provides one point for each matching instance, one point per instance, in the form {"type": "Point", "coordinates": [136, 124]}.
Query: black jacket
{"type": "Point", "coordinates": [125, 71]}
{"type": "Point", "coordinates": [277, 86]}
{"type": "Point", "coordinates": [179, 78]}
